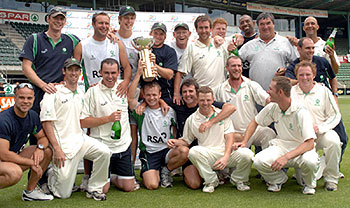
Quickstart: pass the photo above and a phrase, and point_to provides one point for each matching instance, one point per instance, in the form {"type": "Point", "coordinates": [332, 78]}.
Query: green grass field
{"type": "Point", "coordinates": [224, 196]}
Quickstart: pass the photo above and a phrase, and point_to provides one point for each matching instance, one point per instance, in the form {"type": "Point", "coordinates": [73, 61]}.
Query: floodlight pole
{"type": "Point", "coordinates": [348, 21]}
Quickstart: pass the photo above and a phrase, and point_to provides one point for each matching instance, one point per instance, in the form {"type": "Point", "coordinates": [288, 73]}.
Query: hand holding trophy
{"type": "Point", "coordinates": [143, 45]}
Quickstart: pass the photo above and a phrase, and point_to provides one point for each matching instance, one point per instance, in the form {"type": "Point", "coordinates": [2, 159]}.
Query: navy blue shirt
{"type": "Point", "coordinates": [245, 64]}
{"type": "Point", "coordinates": [48, 59]}
{"type": "Point", "coordinates": [166, 58]}
{"type": "Point", "coordinates": [324, 70]}
{"type": "Point", "coordinates": [17, 130]}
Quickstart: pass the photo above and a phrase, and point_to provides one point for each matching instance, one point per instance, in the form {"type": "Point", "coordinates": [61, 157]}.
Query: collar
{"type": "Point", "coordinates": [63, 89]}
{"type": "Point", "coordinates": [202, 45]}
{"type": "Point", "coordinates": [294, 106]}
{"type": "Point", "coordinates": [104, 88]}
{"type": "Point", "coordinates": [244, 83]}
{"type": "Point", "coordinates": [272, 40]}
{"type": "Point", "coordinates": [312, 91]}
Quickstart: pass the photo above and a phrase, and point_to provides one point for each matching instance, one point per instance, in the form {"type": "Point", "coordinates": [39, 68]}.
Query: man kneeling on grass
{"type": "Point", "coordinates": [16, 125]}
{"type": "Point", "coordinates": [214, 150]}
{"type": "Point", "coordinates": [155, 130]}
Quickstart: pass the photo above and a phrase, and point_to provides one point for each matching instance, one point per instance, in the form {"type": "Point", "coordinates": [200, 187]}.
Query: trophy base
{"type": "Point", "coordinates": [148, 79]}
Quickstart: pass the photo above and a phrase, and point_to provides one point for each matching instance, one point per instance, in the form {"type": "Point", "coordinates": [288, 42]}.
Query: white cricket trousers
{"type": "Point", "coordinates": [62, 181]}
{"type": "Point", "coordinates": [203, 159]}
{"type": "Point", "coordinates": [307, 162]}
{"type": "Point", "coordinates": [331, 145]}
{"type": "Point", "coordinates": [261, 137]}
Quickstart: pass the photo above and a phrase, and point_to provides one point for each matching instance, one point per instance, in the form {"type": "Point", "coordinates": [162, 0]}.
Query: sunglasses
{"type": "Point", "coordinates": [23, 85]}
{"type": "Point", "coordinates": [58, 9]}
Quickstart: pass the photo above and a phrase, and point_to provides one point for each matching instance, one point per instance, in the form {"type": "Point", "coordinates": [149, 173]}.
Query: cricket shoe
{"type": "Point", "coordinates": [36, 195]}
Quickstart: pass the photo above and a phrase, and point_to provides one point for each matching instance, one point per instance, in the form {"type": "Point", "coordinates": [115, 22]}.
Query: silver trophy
{"type": "Point", "coordinates": [143, 45]}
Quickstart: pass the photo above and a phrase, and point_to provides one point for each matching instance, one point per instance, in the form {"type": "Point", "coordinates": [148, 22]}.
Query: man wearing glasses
{"type": "Point", "coordinates": [16, 124]}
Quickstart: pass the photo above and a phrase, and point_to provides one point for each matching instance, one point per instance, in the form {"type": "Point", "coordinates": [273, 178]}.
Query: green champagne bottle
{"type": "Point", "coordinates": [116, 130]}
{"type": "Point", "coordinates": [235, 51]}
{"type": "Point", "coordinates": [330, 40]}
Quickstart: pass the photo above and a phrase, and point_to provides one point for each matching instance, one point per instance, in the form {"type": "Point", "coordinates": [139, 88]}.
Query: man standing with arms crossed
{"type": "Point", "coordinates": [214, 149]}
{"type": "Point", "coordinates": [16, 124]}
{"type": "Point", "coordinates": [325, 114]}
{"type": "Point", "coordinates": [103, 107]}
{"type": "Point", "coordinates": [294, 144]}
{"type": "Point", "coordinates": [60, 118]}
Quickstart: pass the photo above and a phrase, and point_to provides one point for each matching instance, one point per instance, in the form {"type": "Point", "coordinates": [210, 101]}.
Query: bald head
{"type": "Point", "coordinates": [310, 27]}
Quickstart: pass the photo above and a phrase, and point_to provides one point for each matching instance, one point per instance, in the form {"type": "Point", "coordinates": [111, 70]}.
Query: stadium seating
{"type": "Point", "coordinates": [26, 29]}
{"type": "Point", "coordinates": [341, 46]}
{"type": "Point", "coordinates": [9, 53]}
{"type": "Point", "coordinates": [344, 74]}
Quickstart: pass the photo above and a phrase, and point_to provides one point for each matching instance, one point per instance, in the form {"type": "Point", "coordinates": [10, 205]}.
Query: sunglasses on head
{"type": "Point", "coordinates": [23, 85]}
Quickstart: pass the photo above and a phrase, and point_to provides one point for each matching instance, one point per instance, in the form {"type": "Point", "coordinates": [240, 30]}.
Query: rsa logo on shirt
{"type": "Point", "coordinates": [156, 139]}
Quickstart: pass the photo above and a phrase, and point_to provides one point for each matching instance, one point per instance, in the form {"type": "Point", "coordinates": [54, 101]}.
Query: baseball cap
{"type": "Point", "coordinates": [56, 11]}
{"type": "Point", "coordinates": [159, 25]}
{"type": "Point", "coordinates": [125, 10]}
{"type": "Point", "coordinates": [184, 25]}
{"type": "Point", "coordinates": [71, 62]}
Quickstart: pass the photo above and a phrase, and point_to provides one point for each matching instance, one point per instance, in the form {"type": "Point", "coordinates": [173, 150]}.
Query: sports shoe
{"type": "Point", "coordinates": [36, 195]}
{"type": "Point", "coordinates": [75, 188]}
{"type": "Point", "coordinates": [341, 175]}
{"type": "Point", "coordinates": [210, 187]}
{"type": "Point", "coordinates": [330, 186]}
{"type": "Point", "coordinates": [96, 195]}
{"type": "Point", "coordinates": [241, 186]}
{"type": "Point", "coordinates": [276, 187]}
{"type": "Point", "coordinates": [308, 191]}
{"type": "Point", "coordinates": [176, 172]}
{"type": "Point", "coordinates": [136, 184]}
{"type": "Point", "coordinates": [165, 179]}
{"type": "Point", "coordinates": [45, 188]}
{"type": "Point", "coordinates": [84, 183]}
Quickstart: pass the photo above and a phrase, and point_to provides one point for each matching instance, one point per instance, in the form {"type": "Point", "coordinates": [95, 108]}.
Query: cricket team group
{"type": "Point", "coordinates": [201, 113]}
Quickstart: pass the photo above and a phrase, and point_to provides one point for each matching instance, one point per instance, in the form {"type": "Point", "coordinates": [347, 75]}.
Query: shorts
{"type": "Point", "coordinates": [121, 164]}
{"type": "Point", "coordinates": [153, 161]}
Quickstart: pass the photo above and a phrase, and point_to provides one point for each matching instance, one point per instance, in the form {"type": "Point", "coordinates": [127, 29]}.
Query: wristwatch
{"type": "Point", "coordinates": [336, 94]}
{"type": "Point", "coordinates": [40, 146]}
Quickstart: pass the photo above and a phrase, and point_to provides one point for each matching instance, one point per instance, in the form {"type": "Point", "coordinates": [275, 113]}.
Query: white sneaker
{"type": "Point", "coordinates": [165, 178]}
{"type": "Point", "coordinates": [210, 187]}
{"type": "Point", "coordinates": [308, 191]}
{"type": "Point", "coordinates": [330, 186]}
{"type": "Point", "coordinates": [341, 175]}
{"type": "Point", "coordinates": [84, 183]}
{"type": "Point", "coordinates": [96, 195]}
{"type": "Point", "coordinates": [36, 195]}
{"type": "Point", "coordinates": [136, 184]}
{"type": "Point", "coordinates": [241, 186]}
{"type": "Point", "coordinates": [276, 187]}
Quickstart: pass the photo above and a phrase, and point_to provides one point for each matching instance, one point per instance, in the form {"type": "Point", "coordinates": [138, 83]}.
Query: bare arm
{"type": "Point", "coordinates": [177, 82]}
{"type": "Point", "coordinates": [164, 72]}
{"type": "Point", "coordinates": [221, 163]}
{"type": "Point", "coordinates": [331, 53]}
{"type": "Point", "coordinates": [59, 156]}
{"type": "Point", "coordinates": [9, 156]}
{"type": "Point", "coordinates": [307, 145]}
{"type": "Point", "coordinates": [227, 110]}
{"type": "Point", "coordinates": [334, 86]}
{"type": "Point", "coordinates": [123, 86]}
{"type": "Point", "coordinates": [77, 53]}
{"type": "Point", "coordinates": [176, 143]}
{"type": "Point", "coordinates": [132, 88]}
{"type": "Point", "coordinates": [34, 78]}
{"type": "Point", "coordinates": [248, 133]}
